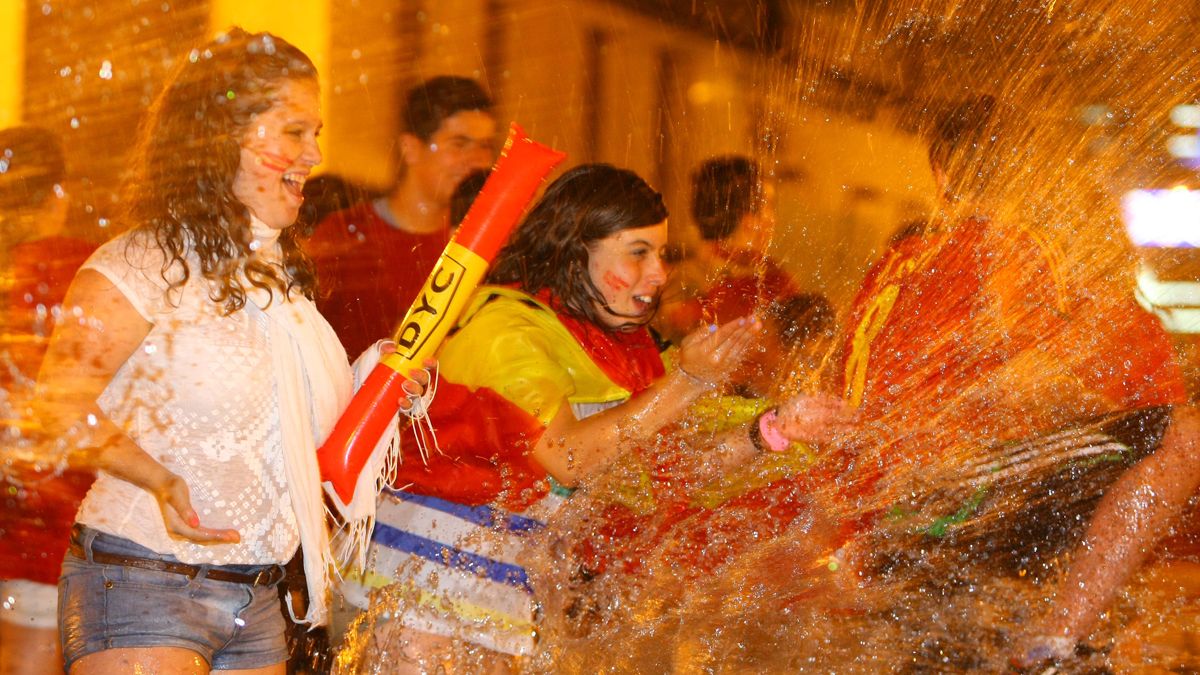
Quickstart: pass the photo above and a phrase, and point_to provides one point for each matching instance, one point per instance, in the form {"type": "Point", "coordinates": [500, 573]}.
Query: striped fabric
{"type": "Point", "coordinates": [458, 566]}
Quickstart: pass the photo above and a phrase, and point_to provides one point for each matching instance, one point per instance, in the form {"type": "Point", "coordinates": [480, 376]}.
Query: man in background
{"type": "Point", "coordinates": [373, 258]}
{"type": "Point", "coordinates": [729, 273]}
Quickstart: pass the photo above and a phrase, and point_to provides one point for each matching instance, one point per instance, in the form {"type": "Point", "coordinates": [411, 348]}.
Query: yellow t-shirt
{"type": "Point", "coordinates": [516, 346]}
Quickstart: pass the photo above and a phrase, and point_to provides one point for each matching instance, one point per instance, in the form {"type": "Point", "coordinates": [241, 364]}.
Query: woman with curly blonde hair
{"type": "Point", "coordinates": [199, 379]}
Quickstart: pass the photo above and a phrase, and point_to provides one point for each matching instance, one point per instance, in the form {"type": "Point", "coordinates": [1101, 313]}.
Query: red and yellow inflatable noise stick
{"type": "Point", "coordinates": [510, 187]}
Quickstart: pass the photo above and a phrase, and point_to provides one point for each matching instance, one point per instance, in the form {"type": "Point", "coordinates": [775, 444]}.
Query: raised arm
{"type": "Point", "coordinates": [572, 449]}
{"type": "Point", "coordinates": [100, 332]}
{"type": "Point", "coordinates": [1132, 516]}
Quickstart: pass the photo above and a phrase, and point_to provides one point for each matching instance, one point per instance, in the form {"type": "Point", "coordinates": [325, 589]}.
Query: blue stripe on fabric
{"type": "Point", "coordinates": [483, 516]}
{"type": "Point", "coordinates": [448, 556]}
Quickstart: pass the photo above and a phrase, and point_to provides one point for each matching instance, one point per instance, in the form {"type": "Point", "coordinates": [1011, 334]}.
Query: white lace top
{"type": "Point", "coordinates": [199, 395]}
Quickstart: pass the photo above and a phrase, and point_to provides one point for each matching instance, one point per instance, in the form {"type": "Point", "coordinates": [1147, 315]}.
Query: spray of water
{"type": "Point", "coordinates": [925, 540]}
{"type": "Point", "coordinates": [907, 545]}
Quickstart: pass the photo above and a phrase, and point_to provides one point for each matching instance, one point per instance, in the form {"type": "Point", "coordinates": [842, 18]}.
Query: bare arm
{"type": "Point", "coordinates": [83, 357]}
{"type": "Point", "coordinates": [1131, 517]}
{"type": "Point", "coordinates": [572, 449]}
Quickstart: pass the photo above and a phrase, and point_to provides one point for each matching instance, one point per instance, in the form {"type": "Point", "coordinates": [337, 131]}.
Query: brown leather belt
{"type": "Point", "coordinates": [268, 576]}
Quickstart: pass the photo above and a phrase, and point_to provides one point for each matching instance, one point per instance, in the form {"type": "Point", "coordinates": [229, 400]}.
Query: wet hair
{"type": "Point", "coordinates": [967, 128]}
{"type": "Point", "coordinates": [724, 190]}
{"type": "Point", "coordinates": [465, 193]}
{"type": "Point", "coordinates": [32, 165]}
{"type": "Point", "coordinates": [802, 318]}
{"type": "Point", "coordinates": [550, 249]}
{"type": "Point", "coordinates": [181, 193]}
{"type": "Point", "coordinates": [429, 104]}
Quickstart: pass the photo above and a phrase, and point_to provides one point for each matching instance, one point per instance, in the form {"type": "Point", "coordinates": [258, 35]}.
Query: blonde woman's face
{"type": "Point", "coordinates": [279, 151]}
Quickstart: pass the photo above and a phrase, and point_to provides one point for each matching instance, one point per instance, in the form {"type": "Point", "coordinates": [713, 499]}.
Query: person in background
{"type": "Point", "coordinates": [798, 331]}
{"type": "Point", "coordinates": [329, 193]}
{"type": "Point", "coordinates": [730, 272]}
{"type": "Point", "coordinates": [200, 380]}
{"type": "Point", "coordinates": [373, 258]}
{"type": "Point", "coordinates": [465, 194]}
{"type": "Point", "coordinates": [962, 339]}
{"type": "Point", "coordinates": [38, 502]}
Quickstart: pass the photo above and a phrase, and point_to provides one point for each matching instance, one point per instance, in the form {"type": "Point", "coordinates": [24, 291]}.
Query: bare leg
{"type": "Point", "coordinates": [25, 650]}
{"type": "Point", "coordinates": [142, 660]}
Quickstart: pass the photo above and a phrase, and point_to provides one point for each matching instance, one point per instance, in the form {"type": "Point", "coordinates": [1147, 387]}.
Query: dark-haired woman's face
{"type": "Point", "coordinates": [628, 269]}
{"type": "Point", "coordinates": [279, 150]}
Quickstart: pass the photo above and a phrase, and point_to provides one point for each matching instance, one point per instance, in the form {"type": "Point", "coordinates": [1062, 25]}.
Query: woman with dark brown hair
{"type": "Point", "coordinates": [199, 378]}
{"type": "Point", "coordinates": [550, 376]}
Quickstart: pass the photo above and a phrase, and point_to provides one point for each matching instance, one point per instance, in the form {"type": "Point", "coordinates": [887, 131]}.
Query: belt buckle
{"type": "Point", "coordinates": [267, 576]}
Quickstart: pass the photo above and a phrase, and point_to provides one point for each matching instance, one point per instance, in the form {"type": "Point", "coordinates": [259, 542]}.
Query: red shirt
{"type": "Point", "coordinates": [940, 314]}
{"type": "Point", "coordinates": [747, 281]}
{"type": "Point", "coordinates": [975, 328]}
{"type": "Point", "coordinates": [944, 326]}
{"type": "Point", "coordinates": [369, 272]}
{"type": "Point", "coordinates": [36, 509]}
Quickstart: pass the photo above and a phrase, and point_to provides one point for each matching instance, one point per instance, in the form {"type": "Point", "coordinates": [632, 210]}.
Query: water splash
{"type": "Point", "coordinates": [934, 538]}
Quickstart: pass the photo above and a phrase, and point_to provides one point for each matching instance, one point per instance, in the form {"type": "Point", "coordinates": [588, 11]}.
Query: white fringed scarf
{"type": "Point", "coordinates": [314, 386]}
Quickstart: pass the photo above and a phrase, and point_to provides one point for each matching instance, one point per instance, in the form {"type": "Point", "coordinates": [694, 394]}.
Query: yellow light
{"type": "Point", "coordinates": [12, 61]}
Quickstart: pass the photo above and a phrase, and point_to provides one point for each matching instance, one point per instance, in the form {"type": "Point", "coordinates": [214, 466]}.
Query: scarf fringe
{"type": "Point", "coordinates": [351, 541]}
{"type": "Point", "coordinates": [418, 412]}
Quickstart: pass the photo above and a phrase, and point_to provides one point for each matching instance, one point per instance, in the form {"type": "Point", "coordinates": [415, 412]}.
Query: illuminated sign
{"type": "Point", "coordinates": [1163, 218]}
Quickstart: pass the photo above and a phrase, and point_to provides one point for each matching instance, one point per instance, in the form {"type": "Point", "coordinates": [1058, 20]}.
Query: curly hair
{"type": "Point", "coordinates": [181, 192]}
{"type": "Point", "coordinates": [551, 247]}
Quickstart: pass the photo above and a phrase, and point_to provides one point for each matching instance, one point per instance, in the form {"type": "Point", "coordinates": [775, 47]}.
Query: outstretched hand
{"type": "Point", "coordinates": [814, 418]}
{"type": "Point", "coordinates": [709, 353]}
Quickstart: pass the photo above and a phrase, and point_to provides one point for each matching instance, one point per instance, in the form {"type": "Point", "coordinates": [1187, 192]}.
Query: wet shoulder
{"type": "Point", "coordinates": [140, 270]}
{"type": "Point", "coordinates": [499, 310]}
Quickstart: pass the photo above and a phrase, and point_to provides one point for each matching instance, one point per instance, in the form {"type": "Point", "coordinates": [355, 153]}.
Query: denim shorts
{"type": "Point", "coordinates": [230, 625]}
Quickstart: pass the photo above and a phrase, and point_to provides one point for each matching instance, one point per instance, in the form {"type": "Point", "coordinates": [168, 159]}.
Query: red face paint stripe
{"type": "Point", "coordinates": [273, 161]}
{"type": "Point", "coordinates": [615, 282]}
